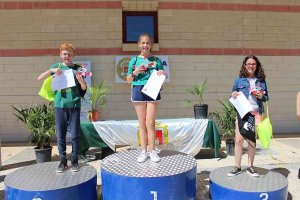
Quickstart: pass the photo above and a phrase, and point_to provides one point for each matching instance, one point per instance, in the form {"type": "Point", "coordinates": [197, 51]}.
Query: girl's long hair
{"type": "Point", "coordinates": [259, 72]}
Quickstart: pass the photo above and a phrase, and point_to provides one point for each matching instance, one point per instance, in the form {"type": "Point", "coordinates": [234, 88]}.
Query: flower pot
{"type": "Point", "coordinates": [94, 115]}
{"type": "Point", "coordinates": [43, 155]}
{"type": "Point", "coordinates": [230, 147]}
{"type": "Point", "coordinates": [200, 111]}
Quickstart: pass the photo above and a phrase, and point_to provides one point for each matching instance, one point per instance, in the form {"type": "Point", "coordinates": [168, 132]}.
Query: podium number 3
{"type": "Point", "coordinates": [154, 194]}
{"type": "Point", "coordinates": [265, 196]}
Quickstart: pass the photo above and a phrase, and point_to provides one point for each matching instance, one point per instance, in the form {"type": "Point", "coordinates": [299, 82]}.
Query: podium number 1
{"type": "Point", "coordinates": [265, 196]}
{"type": "Point", "coordinates": [154, 194]}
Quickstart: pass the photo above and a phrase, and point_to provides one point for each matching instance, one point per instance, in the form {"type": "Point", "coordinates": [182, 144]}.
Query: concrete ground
{"type": "Point", "coordinates": [283, 157]}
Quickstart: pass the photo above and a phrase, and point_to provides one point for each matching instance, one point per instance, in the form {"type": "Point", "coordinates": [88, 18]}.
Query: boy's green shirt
{"type": "Point", "coordinates": [69, 97]}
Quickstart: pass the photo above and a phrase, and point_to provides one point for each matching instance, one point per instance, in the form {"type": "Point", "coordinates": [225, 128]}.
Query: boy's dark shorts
{"type": "Point", "coordinates": [138, 96]}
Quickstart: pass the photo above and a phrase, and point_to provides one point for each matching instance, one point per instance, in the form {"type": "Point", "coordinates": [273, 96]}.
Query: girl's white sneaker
{"type": "Point", "coordinates": [153, 156]}
{"type": "Point", "coordinates": [142, 157]}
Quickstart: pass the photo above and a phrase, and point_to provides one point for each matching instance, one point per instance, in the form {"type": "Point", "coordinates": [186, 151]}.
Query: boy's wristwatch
{"type": "Point", "coordinates": [132, 75]}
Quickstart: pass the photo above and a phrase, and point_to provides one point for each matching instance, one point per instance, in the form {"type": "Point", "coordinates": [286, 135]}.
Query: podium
{"type": "Point", "coordinates": [271, 185]}
{"type": "Point", "coordinates": [174, 177]}
{"type": "Point", "coordinates": [42, 182]}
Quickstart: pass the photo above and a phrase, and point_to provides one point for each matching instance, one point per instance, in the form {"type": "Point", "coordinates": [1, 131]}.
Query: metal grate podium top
{"type": "Point", "coordinates": [271, 181]}
{"type": "Point", "coordinates": [43, 177]}
{"type": "Point", "coordinates": [172, 162]}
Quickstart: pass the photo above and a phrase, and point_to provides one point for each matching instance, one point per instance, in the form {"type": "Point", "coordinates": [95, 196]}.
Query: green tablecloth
{"type": "Point", "coordinates": [90, 138]}
{"type": "Point", "coordinates": [212, 137]}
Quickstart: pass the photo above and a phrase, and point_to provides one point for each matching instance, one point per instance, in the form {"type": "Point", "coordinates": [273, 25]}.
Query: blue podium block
{"type": "Point", "coordinates": [41, 182]}
{"type": "Point", "coordinates": [174, 178]}
{"type": "Point", "coordinates": [270, 186]}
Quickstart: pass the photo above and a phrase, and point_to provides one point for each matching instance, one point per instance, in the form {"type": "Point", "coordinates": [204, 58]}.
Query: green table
{"type": "Point", "coordinates": [90, 138]}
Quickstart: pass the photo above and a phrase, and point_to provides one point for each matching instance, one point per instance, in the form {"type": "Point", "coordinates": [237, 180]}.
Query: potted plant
{"type": "Point", "coordinates": [226, 121]}
{"type": "Point", "coordinates": [200, 109]}
{"type": "Point", "coordinates": [40, 122]}
{"type": "Point", "coordinates": [96, 99]}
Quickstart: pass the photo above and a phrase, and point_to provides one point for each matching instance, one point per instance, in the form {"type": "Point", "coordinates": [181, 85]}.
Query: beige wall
{"type": "Point", "coordinates": [20, 87]}
{"type": "Point", "coordinates": [86, 28]}
{"type": "Point", "coordinates": [194, 28]}
{"type": "Point", "coordinates": [101, 28]}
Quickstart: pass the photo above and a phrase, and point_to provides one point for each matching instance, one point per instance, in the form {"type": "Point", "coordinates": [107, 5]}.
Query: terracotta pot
{"type": "Point", "coordinates": [94, 115]}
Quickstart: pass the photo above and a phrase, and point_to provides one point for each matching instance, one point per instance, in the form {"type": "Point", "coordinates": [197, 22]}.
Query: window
{"type": "Point", "coordinates": [136, 23]}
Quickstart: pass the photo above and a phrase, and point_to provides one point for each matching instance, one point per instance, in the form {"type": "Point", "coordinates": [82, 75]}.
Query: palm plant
{"type": "Point", "coordinates": [40, 122]}
{"type": "Point", "coordinates": [96, 99]}
{"type": "Point", "coordinates": [198, 90]}
{"type": "Point", "coordinates": [96, 95]}
{"type": "Point", "coordinates": [225, 119]}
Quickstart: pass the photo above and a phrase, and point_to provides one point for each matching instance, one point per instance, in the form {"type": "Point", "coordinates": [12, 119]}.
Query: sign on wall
{"type": "Point", "coordinates": [121, 67]}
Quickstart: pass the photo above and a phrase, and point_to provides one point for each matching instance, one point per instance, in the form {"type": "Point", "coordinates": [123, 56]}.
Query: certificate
{"type": "Point", "coordinates": [241, 104]}
{"type": "Point", "coordinates": [65, 80]}
{"type": "Point", "coordinates": [153, 85]}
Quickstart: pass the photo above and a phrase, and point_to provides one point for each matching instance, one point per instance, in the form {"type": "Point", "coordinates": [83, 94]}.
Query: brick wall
{"type": "Point", "coordinates": [202, 38]}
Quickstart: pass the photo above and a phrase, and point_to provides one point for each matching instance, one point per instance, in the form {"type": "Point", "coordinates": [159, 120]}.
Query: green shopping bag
{"type": "Point", "coordinates": [265, 131]}
{"type": "Point", "coordinates": [46, 89]}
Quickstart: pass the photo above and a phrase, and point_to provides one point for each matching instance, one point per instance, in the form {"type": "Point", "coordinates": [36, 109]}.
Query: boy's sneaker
{"type": "Point", "coordinates": [252, 172]}
{"type": "Point", "coordinates": [235, 171]}
{"type": "Point", "coordinates": [153, 156]}
{"type": "Point", "coordinates": [62, 166]}
{"type": "Point", "coordinates": [75, 167]}
{"type": "Point", "coordinates": [142, 157]}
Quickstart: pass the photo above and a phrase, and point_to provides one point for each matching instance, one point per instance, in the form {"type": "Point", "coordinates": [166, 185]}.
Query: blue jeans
{"type": "Point", "coordinates": [65, 117]}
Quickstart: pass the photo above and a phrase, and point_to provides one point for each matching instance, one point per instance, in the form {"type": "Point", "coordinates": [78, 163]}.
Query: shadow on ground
{"type": "Point", "coordinates": [285, 172]}
{"type": "Point", "coordinates": [210, 154]}
{"type": "Point", "coordinates": [203, 186]}
{"type": "Point", "coordinates": [2, 192]}
{"type": "Point", "coordinates": [17, 165]}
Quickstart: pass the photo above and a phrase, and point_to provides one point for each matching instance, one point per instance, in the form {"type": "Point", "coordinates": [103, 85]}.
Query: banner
{"type": "Point", "coordinates": [121, 67]}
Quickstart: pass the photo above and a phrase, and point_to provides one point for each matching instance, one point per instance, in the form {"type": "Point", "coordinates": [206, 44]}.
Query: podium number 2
{"type": "Point", "coordinates": [154, 194]}
{"type": "Point", "coordinates": [265, 196]}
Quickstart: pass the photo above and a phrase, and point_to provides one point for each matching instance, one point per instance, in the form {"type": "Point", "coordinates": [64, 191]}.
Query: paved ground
{"type": "Point", "coordinates": [282, 157]}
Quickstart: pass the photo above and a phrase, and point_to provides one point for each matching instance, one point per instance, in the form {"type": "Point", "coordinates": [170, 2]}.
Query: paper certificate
{"type": "Point", "coordinates": [153, 85]}
{"type": "Point", "coordinates": [65, 80]}
{"type": "Point", "coordinates": [241, 104]}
